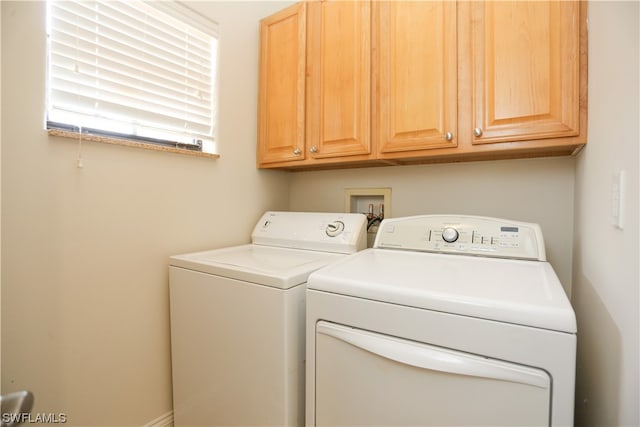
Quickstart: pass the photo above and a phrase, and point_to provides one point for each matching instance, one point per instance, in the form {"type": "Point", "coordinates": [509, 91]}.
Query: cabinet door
{"type": "Point", "coordinates": [415, 75]}
{"type": "Point", "coordinates": [526, 65]}
{"type": "Point", "coordinates": [339, 76]}
{"type": "Point", "coordinates": [281, 116]}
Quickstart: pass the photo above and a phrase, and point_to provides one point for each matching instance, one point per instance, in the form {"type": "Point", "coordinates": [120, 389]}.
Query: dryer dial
{"type": "Point", "coordinates": [450, 234]}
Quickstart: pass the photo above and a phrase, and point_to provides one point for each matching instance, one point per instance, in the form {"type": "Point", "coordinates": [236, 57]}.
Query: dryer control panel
{"type": "Point", "coordinates": [463, 234]}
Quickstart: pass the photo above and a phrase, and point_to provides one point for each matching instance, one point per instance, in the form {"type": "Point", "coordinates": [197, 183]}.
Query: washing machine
{"type": "Point", "coordinates": [446, 321]}
{"type": "Point", "coordinates": [238, 320]}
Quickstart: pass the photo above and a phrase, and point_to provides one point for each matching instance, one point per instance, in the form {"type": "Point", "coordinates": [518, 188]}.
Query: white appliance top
{"type": "Point", "coordinates": [286, 247]}
{"type": "Point", "coordinates": [281, 268]}
{"type": "Point", "coordinates": [518, 291]}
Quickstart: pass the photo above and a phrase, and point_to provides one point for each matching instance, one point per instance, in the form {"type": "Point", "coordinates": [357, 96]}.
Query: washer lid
{"type": "Point", "coordinates": [506, 290]}
{"type": "Point", "coordinates": [265, 265]}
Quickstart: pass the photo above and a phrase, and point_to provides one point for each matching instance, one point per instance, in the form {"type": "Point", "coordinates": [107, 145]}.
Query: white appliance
{"type": "Point", "coordinates": [446, 321]}
{"type": "Point", "coordinates": [238, 320]}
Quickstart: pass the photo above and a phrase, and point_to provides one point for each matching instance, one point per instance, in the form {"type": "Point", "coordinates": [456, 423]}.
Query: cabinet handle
{"type": "Point", "coordinates": [477, 132]}
{"type": "Point", "coordinates": [313, 149]}
{"type": "Point", "coordinates": [297, 152]}
{"type": "Point", "coordinates": [448, 136]}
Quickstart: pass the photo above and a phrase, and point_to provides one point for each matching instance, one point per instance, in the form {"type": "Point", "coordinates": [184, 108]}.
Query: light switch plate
{"type": "Point", "coordinates": [617, 199]}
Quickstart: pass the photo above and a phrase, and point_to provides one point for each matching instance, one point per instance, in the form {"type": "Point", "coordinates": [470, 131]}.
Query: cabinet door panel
{"type": "Point", "coordinates": [416, 77]}
{"type": "Point", "coordinates": [525, 70]}
{"type": "Point", "coordinates": [338, 82]}
{"type": "Point", "coordinates": [282, 86]}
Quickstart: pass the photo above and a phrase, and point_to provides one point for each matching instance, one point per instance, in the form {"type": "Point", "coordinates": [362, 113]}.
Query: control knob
{"type": "Point", "coordinates": [450, 234]}
{"type": "Point", "coordinates": [334, 228]}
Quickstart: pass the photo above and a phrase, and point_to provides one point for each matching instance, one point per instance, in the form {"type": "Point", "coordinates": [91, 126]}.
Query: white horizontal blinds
{"type": "Point", "coordinates": [131, 68]}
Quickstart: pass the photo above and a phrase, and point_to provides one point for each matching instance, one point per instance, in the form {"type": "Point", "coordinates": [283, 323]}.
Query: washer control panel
{"type": "Point", "coordinates": [463, 234]}
{"type": "Point", "coordinates": [317, 231]}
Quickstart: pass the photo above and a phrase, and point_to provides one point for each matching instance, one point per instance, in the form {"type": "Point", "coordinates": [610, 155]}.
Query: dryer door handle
{"type": "Point", "coordinates": [434, 358]}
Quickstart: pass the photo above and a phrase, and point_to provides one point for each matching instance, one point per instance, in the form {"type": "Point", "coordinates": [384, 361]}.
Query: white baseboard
{"type": "Point", "coordinates": [165, 420]}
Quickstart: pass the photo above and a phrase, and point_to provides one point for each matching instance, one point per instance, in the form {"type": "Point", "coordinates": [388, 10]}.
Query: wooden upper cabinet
{"type": "Point", "coordinates": [400, 82]}
{"type": "Point", "coordinates": [415, 76]}
{"type": "Point", "coordinates": [338, 78]}
{"type": "Point", "coordinates": [281, 115]}
{"type": "Point", "coordinates": [525, 70]}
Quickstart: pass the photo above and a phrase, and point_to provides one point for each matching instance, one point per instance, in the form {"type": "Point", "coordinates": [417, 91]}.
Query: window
{"type": "Point", "coordinates": [134, 69]}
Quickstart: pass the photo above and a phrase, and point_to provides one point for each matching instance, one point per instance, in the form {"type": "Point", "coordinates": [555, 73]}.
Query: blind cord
{"type": "Point", "coordinates": [79, 163]}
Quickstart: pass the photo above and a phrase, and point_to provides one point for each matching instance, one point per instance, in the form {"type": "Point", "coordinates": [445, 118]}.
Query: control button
{"type": "Point", "coordinates": [476, 237]}
{"type": "Point", "coordinates": [450, 234]}
{"type": "Point", "coordinates": [334, 228]}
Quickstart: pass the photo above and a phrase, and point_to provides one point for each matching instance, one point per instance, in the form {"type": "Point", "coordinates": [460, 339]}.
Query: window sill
{"type": "Point", "coordinates": [130, 143]}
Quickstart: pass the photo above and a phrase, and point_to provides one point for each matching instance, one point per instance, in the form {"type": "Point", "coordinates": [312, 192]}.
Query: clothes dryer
{"type": "Point", "coordinates": [238, 320]}
{"type": "Point", "coordinates": [446, 321]}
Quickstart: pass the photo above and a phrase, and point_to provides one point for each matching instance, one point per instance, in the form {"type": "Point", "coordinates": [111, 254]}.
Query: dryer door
{"type": "Point", "coordinates": [367, 379]}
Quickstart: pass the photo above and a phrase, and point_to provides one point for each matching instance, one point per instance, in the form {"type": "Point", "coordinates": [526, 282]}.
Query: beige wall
{"type": "Point", "coordinates": [605, 271]}
{"type": "Point", "coordinates": [84, 251]}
